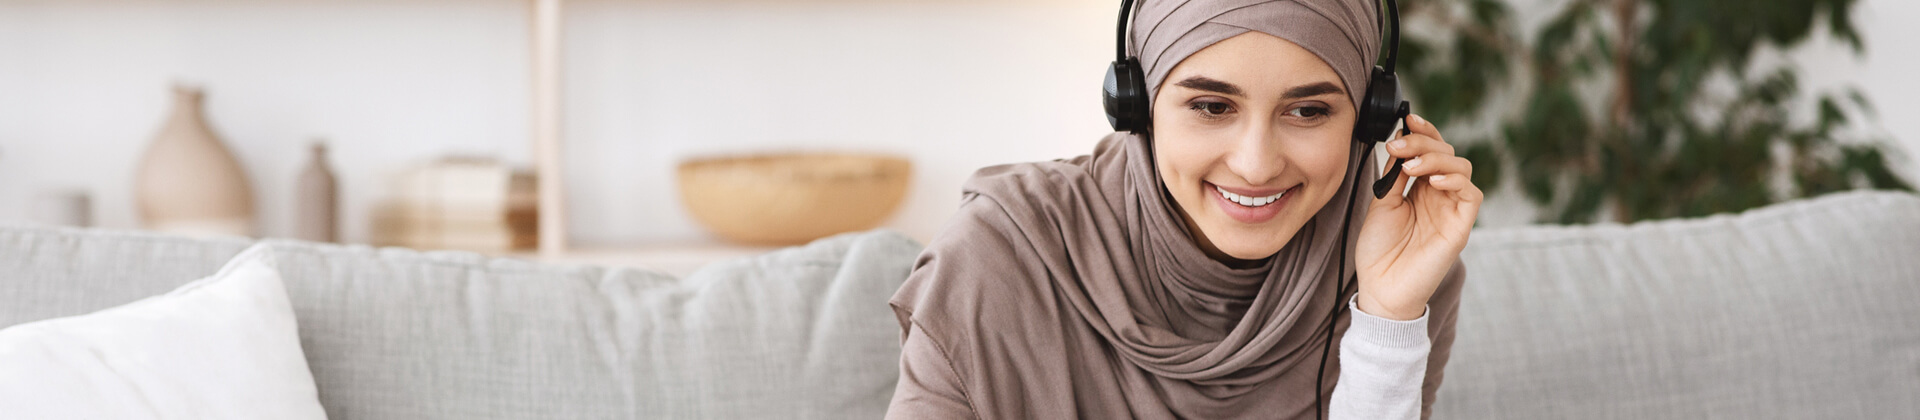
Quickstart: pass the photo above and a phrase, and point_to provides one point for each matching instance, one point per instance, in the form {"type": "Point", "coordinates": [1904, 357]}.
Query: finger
{"type": "Point", "coordinates": [1438, 164]}
{"type": "Point", "coordinates": [1467, 204]}
{"type": "Point", "coordinates": [1416, 144]}
{"type": "Point", "coordinates": [1468, 201]}
{"type": "Point", "coordinates": [1420, 126]}
{"type": "Point", "coordinates": [1423, 137]}
{"type": "Point", "coordinates": [1462, 187]}
{"type": "Point", "coordinates": [1393, 197]}
{"type": "Point", "coordinates": [1456, 195]}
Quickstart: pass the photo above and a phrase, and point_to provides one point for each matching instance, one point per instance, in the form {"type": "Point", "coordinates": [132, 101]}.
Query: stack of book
{"type": "Point", "coordinates": [471, 204]}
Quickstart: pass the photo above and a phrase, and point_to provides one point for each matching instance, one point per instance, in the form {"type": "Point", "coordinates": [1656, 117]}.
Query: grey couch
{"type": "Point", "coordinates": [1801, 310]}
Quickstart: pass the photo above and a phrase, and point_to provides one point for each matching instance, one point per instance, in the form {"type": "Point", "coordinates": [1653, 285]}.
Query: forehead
{"type": "Point", "coordinates": [1258, 63]}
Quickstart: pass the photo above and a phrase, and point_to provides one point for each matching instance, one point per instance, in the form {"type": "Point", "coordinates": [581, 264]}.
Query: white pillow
{"type": "Point", "coordinates": [222, 347]}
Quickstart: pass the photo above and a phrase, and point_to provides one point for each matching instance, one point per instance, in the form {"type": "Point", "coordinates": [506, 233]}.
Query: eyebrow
{"type": "Point", "coordinates": [1315, 89]}
{"type": "Point", "coordinates": [1210, 85]}
{"type": "Point", "coordinates": [1216, 86]}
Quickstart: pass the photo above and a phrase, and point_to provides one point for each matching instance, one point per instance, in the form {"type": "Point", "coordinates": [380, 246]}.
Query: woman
{"type": "Point", "coordinates": [1192, 273]}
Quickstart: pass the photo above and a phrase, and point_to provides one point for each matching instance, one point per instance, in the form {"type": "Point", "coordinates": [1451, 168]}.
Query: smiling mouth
{"type": "Point", "coordinates": [1251, 201]}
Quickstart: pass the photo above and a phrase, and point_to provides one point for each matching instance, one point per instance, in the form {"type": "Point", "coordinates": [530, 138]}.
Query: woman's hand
{"type": "Point", "coordinates": [1408, 243]}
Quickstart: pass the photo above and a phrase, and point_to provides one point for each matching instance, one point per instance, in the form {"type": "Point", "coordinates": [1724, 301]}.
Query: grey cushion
{"type": "Point", "coordinates": [1795, 311]}
{"type": "Point", "coordinates": [389, 333]}
{"type": "Point", "coordinates": [52, 272]}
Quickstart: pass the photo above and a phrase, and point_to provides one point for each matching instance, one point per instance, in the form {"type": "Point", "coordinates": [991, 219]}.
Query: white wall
{"type": "Point", "coordinates": [954, 85]}
{"type": "Point", "coordinates": [83, 87]}
{"type": "Point", "coordinates": [649, 83]}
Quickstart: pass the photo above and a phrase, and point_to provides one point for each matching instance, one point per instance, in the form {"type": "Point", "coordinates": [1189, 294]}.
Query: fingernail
{"type": "Point", "coordinates": [1436, 178]}
{"type": "Point", "coordinates": [1411, 163]}
{"type": "Point", "coordinates": [1397, 144]}
{"type": "Point", "coordinates": [1417, 117]}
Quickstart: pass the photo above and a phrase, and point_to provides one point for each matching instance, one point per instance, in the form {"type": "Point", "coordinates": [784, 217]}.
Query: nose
{"type": "Point", "coordinates": [1256, 156]}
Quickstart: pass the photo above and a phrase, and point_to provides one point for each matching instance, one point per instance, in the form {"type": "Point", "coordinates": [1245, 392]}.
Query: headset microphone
{"type": "Point", "coordinates": [1385, 183]}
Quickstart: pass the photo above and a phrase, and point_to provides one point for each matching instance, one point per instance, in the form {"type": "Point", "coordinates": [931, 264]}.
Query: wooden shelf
{"type": "Point", "coordinates": [547, 21]}
{"type": "Point", "coordinates": [546, 43]}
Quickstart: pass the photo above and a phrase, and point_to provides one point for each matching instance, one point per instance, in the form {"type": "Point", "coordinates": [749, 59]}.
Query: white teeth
{"type": "Point", "coordinates": [1250, 201]}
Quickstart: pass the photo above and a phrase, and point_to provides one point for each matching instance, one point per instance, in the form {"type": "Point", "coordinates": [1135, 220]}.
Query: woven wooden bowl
{"type": "Point", "coordinates": [787, 199]}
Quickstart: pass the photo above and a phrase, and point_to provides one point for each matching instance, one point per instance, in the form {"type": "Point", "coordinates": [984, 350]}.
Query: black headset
{"type": "Point", "coordinates": [1124, 93]}
{"type": "Point", "coordinates": [1382, 108]}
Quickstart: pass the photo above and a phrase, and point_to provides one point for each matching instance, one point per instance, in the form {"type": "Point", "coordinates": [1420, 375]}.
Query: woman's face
{"type": "Point", "coordinates": [1251, 137]}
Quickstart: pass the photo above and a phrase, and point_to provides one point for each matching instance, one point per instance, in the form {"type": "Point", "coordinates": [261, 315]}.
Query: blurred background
{"type": "Point", "coordinates": [679, 124]}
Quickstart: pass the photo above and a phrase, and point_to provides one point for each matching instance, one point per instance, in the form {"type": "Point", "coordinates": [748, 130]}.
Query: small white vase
{"type": "Point", "coordinates": [188, 182]}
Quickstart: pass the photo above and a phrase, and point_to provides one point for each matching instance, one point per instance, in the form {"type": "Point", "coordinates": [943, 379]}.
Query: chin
{"type": "Point", "coordinates": [1243, 244]}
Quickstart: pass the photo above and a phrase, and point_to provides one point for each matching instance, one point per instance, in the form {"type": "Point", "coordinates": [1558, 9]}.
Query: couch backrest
{"type": "Point", "coordinates": [392, 333]}
{"type": "Point", "coordinates": [1809, 309]}
{"type": "Point", "coordinates": [1800, 310]}
{"type": "Point", "coordinates": [55, 272]}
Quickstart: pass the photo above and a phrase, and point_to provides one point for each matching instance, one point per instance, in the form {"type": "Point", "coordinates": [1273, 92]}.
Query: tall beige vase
{"type": "Point", "coordinates": [188, 182]}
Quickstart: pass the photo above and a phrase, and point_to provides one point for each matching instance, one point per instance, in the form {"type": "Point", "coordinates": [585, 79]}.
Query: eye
{"type": "Point", "coordinates": [1211, 109]}
{"type": "Point", "coordinates": [1309, 112]}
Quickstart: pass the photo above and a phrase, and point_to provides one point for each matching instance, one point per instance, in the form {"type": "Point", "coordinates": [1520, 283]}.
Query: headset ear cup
{"type": "Point", "coordinates": [1378, 112]}
{"type": "Point", "coordinates": [1125, 97]}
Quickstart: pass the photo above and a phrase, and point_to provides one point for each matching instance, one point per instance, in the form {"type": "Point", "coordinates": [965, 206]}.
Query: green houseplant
{"type": "Point", "coordinates": [1649, 108]}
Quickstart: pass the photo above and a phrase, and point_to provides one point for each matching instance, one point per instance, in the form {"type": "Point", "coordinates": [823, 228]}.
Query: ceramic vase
{"type": "Point", "coordinates": [316, 207]}
{"type": "Point", "coordinates": [187, 181]}
{"type": "Point", "coordinates": [64, 208]}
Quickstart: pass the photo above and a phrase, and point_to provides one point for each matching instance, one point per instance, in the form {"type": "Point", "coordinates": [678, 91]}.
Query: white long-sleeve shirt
{"type": "Point", "coordinates": [1382, 365]}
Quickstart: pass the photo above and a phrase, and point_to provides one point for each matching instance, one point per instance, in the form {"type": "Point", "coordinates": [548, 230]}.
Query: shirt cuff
{"type": "Point", "coordinates": [1387, 332]}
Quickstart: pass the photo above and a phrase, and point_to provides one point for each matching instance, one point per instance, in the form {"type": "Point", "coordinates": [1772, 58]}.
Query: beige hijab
{"type": "Point", "coordinates": [1095, 245]}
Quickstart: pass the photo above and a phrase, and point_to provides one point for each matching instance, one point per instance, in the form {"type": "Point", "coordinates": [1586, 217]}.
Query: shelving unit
{"type": "Point", "coordinates": [327, 65]}
{"type": "Point", "coordinates": [547, 23]}
{"type": "Point", "coordinates": [547, 141]}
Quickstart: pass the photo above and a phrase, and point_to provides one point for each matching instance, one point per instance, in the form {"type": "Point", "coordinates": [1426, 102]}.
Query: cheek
{"type": "Point", "coordinates": [1329, 165]}
{"type": "Point", "coordinates": [1181, 164]}
{"type": "Point", "coordinates": [1324, 164]}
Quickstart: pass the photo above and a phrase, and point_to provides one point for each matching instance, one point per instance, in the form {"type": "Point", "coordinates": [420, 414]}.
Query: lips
{"type": "Point", "coordinates": [1251, 192]}
{"type": "Point", "coordinates": [1251, 201]}
{"type": "Point", "coordinates": [1245, 206]}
